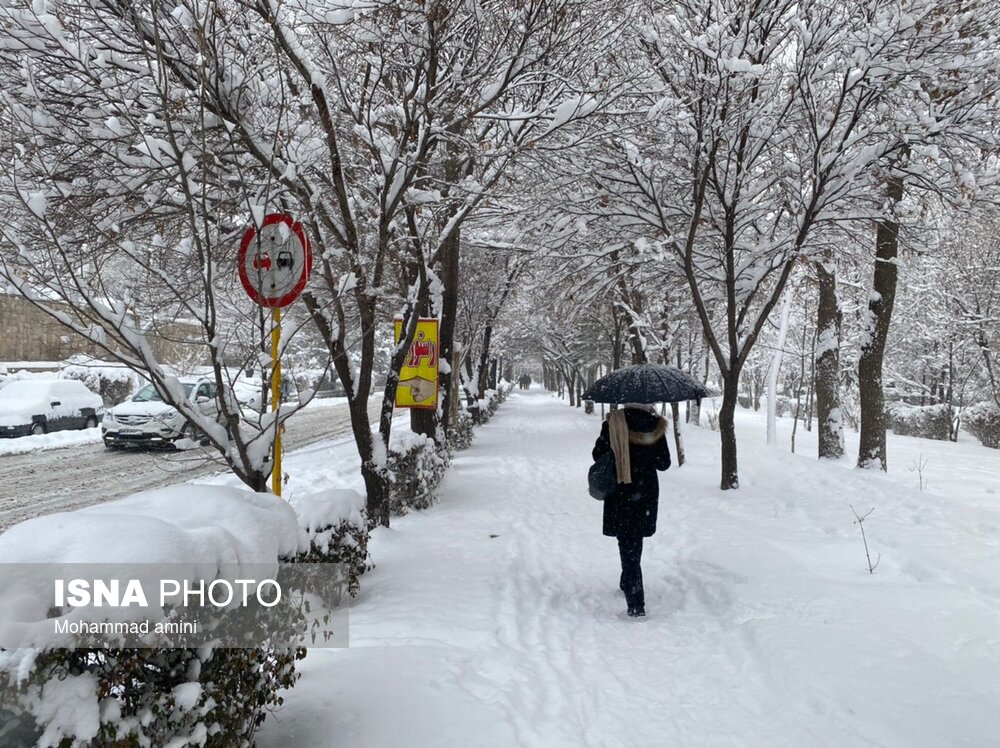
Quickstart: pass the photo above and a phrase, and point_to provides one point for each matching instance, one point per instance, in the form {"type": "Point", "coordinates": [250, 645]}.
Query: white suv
{"type": "Point", "coordinates": [146, 420]}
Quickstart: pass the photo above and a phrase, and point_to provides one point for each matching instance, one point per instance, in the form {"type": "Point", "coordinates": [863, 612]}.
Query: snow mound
{"type": "Point", "coordinates": [328, 508]}
{"type": "Point", "coordinates": [204, 526]}
{"type": "Point", "coordinates": [55, 440]}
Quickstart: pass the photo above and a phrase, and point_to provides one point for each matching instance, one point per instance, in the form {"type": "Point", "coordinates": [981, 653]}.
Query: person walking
{"type": "Point", "coordinates": [637, 438]}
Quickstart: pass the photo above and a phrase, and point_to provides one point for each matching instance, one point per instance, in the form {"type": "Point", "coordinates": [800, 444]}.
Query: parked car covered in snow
{"type": "Point", "coordinates": [145, 419]}
{"type": "Point", "coordinates": [38, 406]}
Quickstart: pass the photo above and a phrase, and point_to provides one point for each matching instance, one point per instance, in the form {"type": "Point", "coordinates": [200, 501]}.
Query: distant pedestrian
{"type": "Point", "coordinates": [637, 437]}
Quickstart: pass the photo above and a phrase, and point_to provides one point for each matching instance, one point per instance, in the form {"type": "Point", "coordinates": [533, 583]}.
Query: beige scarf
{"type": "Point", "coordinates": [620, 437]}
{"type": "Point", "coordinates": [618, 434]}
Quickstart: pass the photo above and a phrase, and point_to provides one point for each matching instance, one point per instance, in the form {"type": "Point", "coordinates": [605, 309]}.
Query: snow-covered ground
{"type": "Point", "coordinates": [963, 470]}
{"type": "Point", "coordinates": [56, 440]}
{"type": "Point", "coordinates": [494, 618]}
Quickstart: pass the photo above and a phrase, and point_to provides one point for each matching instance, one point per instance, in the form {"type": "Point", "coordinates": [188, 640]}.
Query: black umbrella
{"type": "Point", "coordinates": [646, 383]}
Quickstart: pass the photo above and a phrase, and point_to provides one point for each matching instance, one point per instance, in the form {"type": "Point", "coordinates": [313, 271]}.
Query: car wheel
{"type": "Point", "coordinates": [37, 429]}
{"type": "Point", "coordinates": [91, 423]}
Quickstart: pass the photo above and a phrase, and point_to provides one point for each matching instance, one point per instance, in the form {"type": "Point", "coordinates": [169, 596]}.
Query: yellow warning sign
{"type": "Point", "coordinates": [418, 378]}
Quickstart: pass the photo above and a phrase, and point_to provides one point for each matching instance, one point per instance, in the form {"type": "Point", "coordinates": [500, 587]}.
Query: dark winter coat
{"type": "Point", "coordinates": [631, 509]}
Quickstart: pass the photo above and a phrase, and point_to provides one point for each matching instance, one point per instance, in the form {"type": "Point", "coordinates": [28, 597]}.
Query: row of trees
{"type": "Point", "coordinates": [603, 180]}
{"type": "Point", "coordinates": [144, 138]}
{"type": "Point", "coordinates": [777, 145]}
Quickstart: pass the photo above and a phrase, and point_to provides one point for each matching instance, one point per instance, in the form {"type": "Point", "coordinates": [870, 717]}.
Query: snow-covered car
{"type": "Point", "coordinates": [37, 406]}
{"type": "Point", "coordinates": [146, 420]}
{"type": "Point", "coordinates": [249, 391]}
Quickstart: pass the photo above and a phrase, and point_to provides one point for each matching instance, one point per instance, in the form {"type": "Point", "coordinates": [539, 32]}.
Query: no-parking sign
{"type": "Point", "coordinates": [275, 261]}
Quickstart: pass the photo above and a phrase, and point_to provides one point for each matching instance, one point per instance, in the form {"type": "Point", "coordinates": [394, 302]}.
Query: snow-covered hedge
{"type": "Point", "coordinates": [461, 432]}
{"type": "Point", "coordinates": [783, 406]}
{"type": "Point", "coordinates": [90, 698]}
{"type": "Point", "coordinates": [7, 376]}
{"type": "Point", "coordinates": [113, 383]}
{"type": "Point", "coordinates": [416, 466]}
{"type": "Point", "coordinates": [983, 422]}
{"type": "Point", "coordinates": [925, 421]}
{"type": "Point", "coordinates": [334, 522]}
{"type": "Point", "coordinates": [484, 409]}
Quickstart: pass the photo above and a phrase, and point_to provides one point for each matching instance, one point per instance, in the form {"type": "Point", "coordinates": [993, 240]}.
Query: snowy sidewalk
{"type": "Point", "coordinates": [494, 618]}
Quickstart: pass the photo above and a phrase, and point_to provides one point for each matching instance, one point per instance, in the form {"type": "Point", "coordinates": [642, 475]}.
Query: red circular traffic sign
{"type": "Point", "coordinates": [275, 261]}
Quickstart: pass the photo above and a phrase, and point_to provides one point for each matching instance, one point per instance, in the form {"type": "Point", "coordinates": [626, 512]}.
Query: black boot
{"type": "Point", "coordinates": [631, 579]}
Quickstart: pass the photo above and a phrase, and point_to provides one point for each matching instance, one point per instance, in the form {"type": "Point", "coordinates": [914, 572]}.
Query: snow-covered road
{"type": "Point", "coordinates": [53, 480]}
{"type": "Point", "coordinates": [494, 618]}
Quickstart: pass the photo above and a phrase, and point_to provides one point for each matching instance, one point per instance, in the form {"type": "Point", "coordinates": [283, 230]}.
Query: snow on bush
{"type": "Point", "coordinates": [196, 696]}
{"type": "Point", "coordinates": [461, 432]}
{"type": "Point", "coordinates": [337, 532]}
{"type": "Point", "coordinates": [484, 409]}
{"type": "Point", "coordinates": [925, 421]}
{"type": "Point", "coordinates": [983, 422]}
{"type": "Point", "coordinates": [7, 376]}
{"type": "Point", "coordinates": [783, 406]}
{"type": "Point", "coordinates": [416, 466]}
{"type": "Point", "coordinates": [112, 382]}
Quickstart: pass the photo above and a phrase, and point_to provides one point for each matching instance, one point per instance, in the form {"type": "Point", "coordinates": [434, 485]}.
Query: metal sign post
{"type": "Point", "coordinates": [276, 396]}
{"type": "Point", "coordinates": [274, 264]}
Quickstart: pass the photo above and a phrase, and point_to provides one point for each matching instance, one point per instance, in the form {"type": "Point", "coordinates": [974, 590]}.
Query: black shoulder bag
{"type": "Point", "coordinates": [603, 478]}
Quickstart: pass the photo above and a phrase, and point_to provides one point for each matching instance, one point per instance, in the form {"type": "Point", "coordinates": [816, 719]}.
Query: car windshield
{"type": "Point", "coordinates": [149, 393]}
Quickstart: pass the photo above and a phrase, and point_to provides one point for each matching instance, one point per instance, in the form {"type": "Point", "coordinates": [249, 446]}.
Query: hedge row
{"type": "Point", "coordinates": [417, 465]}
{"type": "Point", "coordinates": [925, 421]}
{"type": "Point", "coordinates": [983, 422]}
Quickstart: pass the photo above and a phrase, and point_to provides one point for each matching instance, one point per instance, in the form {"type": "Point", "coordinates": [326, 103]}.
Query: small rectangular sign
{"type": "Point", "coordinates": [418, 377]}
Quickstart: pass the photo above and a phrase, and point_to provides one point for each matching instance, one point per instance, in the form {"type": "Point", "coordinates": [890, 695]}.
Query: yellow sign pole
{"type": "Point", "coordinates": [276, 397]}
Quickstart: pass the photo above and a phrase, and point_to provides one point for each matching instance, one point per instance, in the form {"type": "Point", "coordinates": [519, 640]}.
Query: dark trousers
{"type": "Point", "coordinates": [630, 549]}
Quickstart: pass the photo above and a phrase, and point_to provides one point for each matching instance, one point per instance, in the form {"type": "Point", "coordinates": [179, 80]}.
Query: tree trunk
{"type": "Point", "coordinates": [798, 397]}
{"type": "Point", "coordinates": [377, 488]}
{"type": "Point", "coordinates": [484, 363]}
{"type": "Point", "coordinates": [772, 372]}
{"type": "Point", "coordinates": [425, 421]}
{"type": "Point", "coordinates": [376, 483]}
{"type": "Point", "coordinates": [571, 387]}
{"type": "Point", "coordinates": [694, 412]}
{"type": "Point", "coordinates": [829, 319]}
{"type": "Point", "coordinates": [494, 369]}
{"type": "Point", "coordinates": [450, 251]}
{"type": "Point", "coordinates": [727, 431]}
{"type": "Point", "coordinates": [675, 412]}
{"type": "Point", "coordinates": [695, 417]}
{"type": "Point", "coordinates": [871, 451]}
